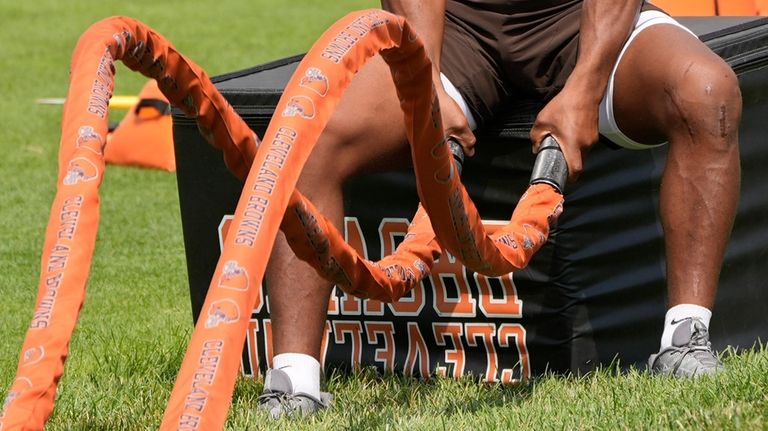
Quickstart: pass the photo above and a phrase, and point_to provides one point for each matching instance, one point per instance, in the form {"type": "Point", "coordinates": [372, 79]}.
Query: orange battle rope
{"type": "Point", "coordinates": [201, 395]}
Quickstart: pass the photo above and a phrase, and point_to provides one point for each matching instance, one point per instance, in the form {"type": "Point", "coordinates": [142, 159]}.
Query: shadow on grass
{"type": "Point", "coordinates": [366, 399]}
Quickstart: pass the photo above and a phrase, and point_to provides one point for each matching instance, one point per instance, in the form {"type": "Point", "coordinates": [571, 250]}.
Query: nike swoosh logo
{"type": "Point", "coordinates": [675, 322]}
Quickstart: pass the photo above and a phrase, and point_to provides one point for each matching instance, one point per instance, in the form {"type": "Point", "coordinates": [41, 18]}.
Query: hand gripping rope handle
{"type": "Point", "coordinates": [203, 389]}
{"type": "Point", "coordinates": [550, 167]}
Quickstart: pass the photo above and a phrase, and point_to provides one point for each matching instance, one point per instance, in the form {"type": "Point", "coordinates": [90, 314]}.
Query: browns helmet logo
{"type": "Point", "coordinates": [167, 84]}
{"type": "Point", "coordinates": [224, 311]}
{"type": "Point", "coordinates": [315, 80]}
{"type": "Point", "coordinates": [301, 106]}
{"type": "Point", "coordinates": [527, 241]}
{"type": "Point", "coordinates": [234, 277]}
{"type": "Point", "coordinates": [118, 37]}
{"type": "Point", "coordinates": [556, 212]}
{"type": "Point", "coordinates": [119, 40]}
{"type": "Point", "coordinates": [19, 386]}
{"type": "Point", "coordinates": [412, 36]}
{"type": "Point", "coordinates": [422, 267]}
{"type": "Point", "coordinates": [445, 179]}
{"type": "Point", "coordinates": [33, 355]}
{"type": "Point", "coordinates": [88, 138]}
{"type": "Point", "coordinates": [80, 170]}
{"type": "Point", "coordinates": [188, 102]}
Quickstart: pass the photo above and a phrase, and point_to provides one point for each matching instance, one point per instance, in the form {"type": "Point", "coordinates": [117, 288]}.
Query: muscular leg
{"type": "Point", "coordinates": [669, 86]}
{"type": "Point", "coordinates": [691, 99]}
{"type": "Point", "coordinates": [366, 132]}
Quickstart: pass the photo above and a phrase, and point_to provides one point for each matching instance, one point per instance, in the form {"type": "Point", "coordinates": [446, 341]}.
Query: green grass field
{"type": "Point", "coordinates": [136, 322]}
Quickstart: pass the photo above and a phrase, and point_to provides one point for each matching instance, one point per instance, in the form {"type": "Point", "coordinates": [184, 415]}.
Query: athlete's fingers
{"type": "Point", "coordinates": [574, 159]}
{"type": "Point", "coordinates": [537, 134]}
{"type": "Point", "coordinates": [466, 139]}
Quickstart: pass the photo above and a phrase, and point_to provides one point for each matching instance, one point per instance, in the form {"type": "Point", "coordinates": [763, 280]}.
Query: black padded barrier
{"type": "Point", "coordinates": [594, 293]}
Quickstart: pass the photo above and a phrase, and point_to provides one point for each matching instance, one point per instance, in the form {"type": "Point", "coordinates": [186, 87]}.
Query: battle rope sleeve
{"type": "Point", "coordinates": [203, 390]}
{"type": "Point", "coordinates": [74, 217]}
{"type": "Point", "coordinates": [73, 222]}
{"type": "Point", "coordinates": [315, 240]}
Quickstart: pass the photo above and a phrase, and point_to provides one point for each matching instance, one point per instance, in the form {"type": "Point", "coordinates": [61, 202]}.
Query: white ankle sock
{"type": "Point", "coordinates": [677, 314]}
{"type": "Point", "coordinates": [303, 370]}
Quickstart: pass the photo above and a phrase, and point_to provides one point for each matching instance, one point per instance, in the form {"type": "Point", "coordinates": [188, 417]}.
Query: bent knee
{"type": "Point", "coordinates": [347, 148]}
{"type": "Point", "coordinates": [706, 103]}
{"type": "Point", "coordinates": [331, 160]}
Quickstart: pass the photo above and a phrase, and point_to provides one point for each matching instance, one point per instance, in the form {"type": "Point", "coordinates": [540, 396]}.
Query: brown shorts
{"type": "Point", "coordinates": [497, 50]}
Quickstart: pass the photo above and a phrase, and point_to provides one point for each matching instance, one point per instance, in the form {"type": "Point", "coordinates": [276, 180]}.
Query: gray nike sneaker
{"type": "Point", "coordinates": [690, 355]}
{"type": "Point", "coordinates": [279, 400]}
